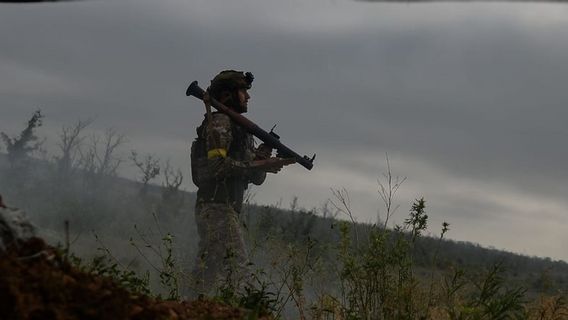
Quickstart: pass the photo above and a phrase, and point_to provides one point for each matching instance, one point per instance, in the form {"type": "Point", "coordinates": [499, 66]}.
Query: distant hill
{"type": "Point", "coordinates": [113, 206]}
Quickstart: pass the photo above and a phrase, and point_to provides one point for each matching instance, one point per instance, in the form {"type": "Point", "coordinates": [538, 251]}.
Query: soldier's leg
{"type": "Point", "coordinates": [200, 272]}
{"type": "Point", "coordinates": [222, 255]}
{"type": "Point", "coordinates": [237, 255]}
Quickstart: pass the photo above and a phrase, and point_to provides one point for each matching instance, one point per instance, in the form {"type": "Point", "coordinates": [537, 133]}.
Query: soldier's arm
{"type": "Point", "coordinates": [219, 138]}
{"type": "Point", "coordinates": [256, 175]}
{"type": "Point", "coordinates": [221, 165]}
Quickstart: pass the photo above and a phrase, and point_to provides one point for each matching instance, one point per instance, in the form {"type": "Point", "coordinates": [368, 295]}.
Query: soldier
{"type": "Point", "coordinates": [222, 167]}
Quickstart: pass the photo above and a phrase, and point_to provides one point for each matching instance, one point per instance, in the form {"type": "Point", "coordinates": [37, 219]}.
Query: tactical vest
{"type": "Point", "coordinates": [231, 189]}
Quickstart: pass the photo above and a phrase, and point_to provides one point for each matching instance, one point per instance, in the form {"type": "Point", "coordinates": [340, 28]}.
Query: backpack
{"type": "Point", "coordinates": [200, 173]}
{"type": "Point", "coordinates": [198, 156]}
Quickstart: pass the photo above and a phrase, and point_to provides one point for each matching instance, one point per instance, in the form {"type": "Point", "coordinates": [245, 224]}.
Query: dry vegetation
{"type": "Point", "coordinates": [307, 264]}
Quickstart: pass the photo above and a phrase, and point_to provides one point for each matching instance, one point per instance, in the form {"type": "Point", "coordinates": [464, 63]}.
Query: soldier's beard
{"type": "Point", "coordinates": [237, 106]}
{"type": "Point", "coordinates": [242, 108]}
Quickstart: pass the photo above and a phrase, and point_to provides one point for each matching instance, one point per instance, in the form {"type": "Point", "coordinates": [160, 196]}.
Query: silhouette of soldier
{"type": "Point", "coordinates": [222, 158]}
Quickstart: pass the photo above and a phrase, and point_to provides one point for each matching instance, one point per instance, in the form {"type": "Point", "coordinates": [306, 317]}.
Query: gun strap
{"type": "Point", "coordinates": [209, 116]}
{"type": "Point", "coordinates": [207, 103]}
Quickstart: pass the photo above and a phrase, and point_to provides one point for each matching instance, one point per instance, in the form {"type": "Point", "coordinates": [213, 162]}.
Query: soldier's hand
{"type": "Point", "coordinates": [263, 151]}
{"type": "Point", "coordinates": [273, 165]}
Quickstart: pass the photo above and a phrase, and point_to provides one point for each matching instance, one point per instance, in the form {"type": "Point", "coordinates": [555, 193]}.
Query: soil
{"type": "Point", "coordinates": [37, 283]}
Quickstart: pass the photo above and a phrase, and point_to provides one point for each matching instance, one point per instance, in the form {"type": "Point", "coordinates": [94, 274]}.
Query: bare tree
{"type": "Point", "coordinates": [108, 161]}
{"type": "Point", "coordinates": [149, 168]}
{"type": "Point", "coordinates": [70, 144]}
{"type": "Point", "coordinates": [342, 204]}
{"type": "Point", "coordinates": [172, 181]}
{"type": "Point", "coordinates": [87, 161]}
{"type": "Point", "coordinates": [387, 191]}
{"type": "Point", "coordinates": [99, 160]}
{"type": "Point", "coordinates": [172, 199]}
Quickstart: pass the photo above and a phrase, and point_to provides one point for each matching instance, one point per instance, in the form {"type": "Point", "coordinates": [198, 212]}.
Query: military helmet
{"type": "Point", "coordinates": [230, 80]}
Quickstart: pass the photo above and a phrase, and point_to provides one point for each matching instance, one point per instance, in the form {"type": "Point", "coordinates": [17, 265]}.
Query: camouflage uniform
{"type": "Point", "coordinates": [222, 174]}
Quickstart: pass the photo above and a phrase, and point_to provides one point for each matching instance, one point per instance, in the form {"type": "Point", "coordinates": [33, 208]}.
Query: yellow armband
{"type": "Point", "coordinates": [215, 153]}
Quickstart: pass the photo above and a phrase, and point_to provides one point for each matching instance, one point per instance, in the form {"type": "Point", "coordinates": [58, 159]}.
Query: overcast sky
{"type": "Point", "coordinates": [469, 100]}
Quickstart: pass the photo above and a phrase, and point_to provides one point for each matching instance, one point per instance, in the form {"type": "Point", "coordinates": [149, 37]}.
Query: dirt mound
{"type": "Point", "coordinates": [37, 283]}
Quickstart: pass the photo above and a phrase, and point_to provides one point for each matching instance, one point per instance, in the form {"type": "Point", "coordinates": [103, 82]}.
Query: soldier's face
{"type": "Point", "coordinates": [243, 97]}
